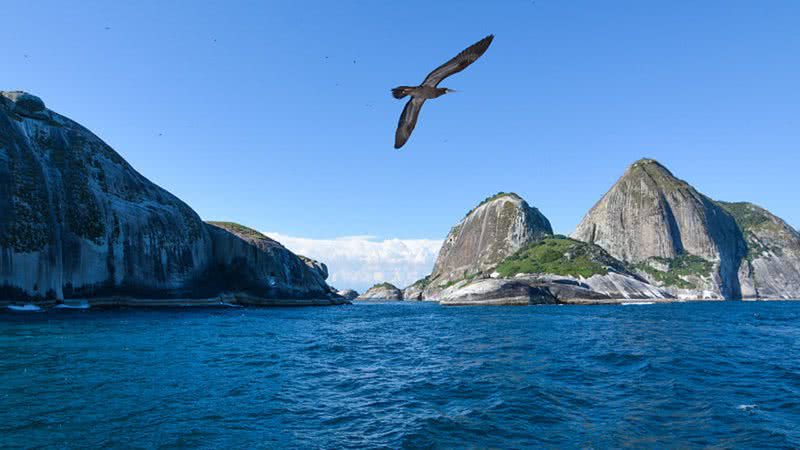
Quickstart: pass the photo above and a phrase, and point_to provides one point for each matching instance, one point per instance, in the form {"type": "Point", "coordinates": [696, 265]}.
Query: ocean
{"type": "Point", "coordinates": [404, 375]}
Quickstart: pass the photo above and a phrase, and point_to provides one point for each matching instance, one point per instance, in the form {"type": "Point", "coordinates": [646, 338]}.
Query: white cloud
{"type": "Point", "coordinates": [358, 262]}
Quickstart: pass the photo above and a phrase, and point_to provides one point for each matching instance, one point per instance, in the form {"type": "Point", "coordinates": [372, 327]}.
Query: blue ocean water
{"type": "Point", "coordinates": [404, 375]}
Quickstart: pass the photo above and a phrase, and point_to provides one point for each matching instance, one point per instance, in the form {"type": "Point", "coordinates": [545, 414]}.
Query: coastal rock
{"type": "Point", "coordinates": [348, 294]}
{"type": "Point", "coordinates": [316, 266]}
{"type": "Point", "coordinates": [556, 269]}
{"type": "Point", "coordinates": [771, 268]}
{"type": "Point", "coordinates": [653, 219]}
{"type": "Point", "coordinates": [496, 292]}
{"type": "Point", "coordinates": [415, 291]}
{"type": "Point", "coordinates": [77, 221]}
{"type": "Point", "coordinates": [248, 262]}
{"type": "Point", "coordinates": [382, 291]}
{"type": "Point", "coordinates": [527, 289]}
{"type": "Point", "coordinates": [493, 230]}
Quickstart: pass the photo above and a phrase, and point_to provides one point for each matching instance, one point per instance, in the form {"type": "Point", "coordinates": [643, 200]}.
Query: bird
{"type": "Point", "coordinates": [429, 88]}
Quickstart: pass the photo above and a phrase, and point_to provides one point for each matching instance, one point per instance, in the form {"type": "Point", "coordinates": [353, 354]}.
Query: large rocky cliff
{"type": "Point", "coordinates": [678, 237]}
{"type": "Point", "coordinates": [503, 252]}
{"type": "Point", "coordinates": [771, 268]}
{"type": "Point", "coordinates": [78, 221]}
{"type": "Point", "coordinates": [693, 246]}
{"type": "Point", "coordinates": [490, 232]}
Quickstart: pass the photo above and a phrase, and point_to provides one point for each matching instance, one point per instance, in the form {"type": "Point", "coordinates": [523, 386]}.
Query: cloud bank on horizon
{"type": "Point", "coordinates": [358, 262]}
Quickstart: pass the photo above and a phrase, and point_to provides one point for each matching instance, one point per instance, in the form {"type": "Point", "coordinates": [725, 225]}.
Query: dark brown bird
{"type": "Point", "coordinates": [428, 89]}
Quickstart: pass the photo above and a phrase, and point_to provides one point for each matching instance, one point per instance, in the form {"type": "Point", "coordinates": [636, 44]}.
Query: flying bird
{"type": "Point", "coordinates": [429, 88]}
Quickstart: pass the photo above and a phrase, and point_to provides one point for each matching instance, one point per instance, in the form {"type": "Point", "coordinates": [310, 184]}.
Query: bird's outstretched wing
{"type": "Point", "coordinates": [408, 120]}
{"type": "Point", "coordinates": [459, 63]}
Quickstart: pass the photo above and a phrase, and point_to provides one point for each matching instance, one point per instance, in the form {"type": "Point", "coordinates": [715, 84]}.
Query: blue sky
{"type": "Point", "coordinates": [278, 114]}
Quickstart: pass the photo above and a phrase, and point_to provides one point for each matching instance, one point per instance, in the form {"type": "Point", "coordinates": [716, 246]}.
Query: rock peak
{"type": "Point", "coordinates": [24, 100]}
{"type": "Point", "coordinates": [646, 163]}
{"type": "Point", "coordinates": [649, 214]}
{"type": "Point", "coordinates": [493, 230]}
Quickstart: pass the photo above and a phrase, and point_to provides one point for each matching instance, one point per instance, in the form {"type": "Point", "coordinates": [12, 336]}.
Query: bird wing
{"type": "Point", "coordinates": [459, 63]}
{"type": "Point", "coordinates": [408, 120]}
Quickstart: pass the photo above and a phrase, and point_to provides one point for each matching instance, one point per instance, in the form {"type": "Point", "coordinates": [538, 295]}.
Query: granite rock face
{"type": "Point", "coordinates": [348, 294]}
{"type": "Point", "coordinates": [415, 291]}
{"type": "Point", "coordinates": [247, 262]}
{"type": "Point", "coordinates": [504, 253]}
{"type": "Point", "coordinates": [493, 230]}
{"type": "Point", "coordinates": [382, 291]}
{"type": "Point", "coordinates": [486, 292]}
{"type": "Point", "coordinates": [554, 270]}
{"type": "Point", "coordinates": [651, 218]}
{"type": "Point", "coordinates": [538, 289]}
{"type": "Point", "coordinates": [771, 268]}
{"type": "Point", "coordinates": [78, 221]}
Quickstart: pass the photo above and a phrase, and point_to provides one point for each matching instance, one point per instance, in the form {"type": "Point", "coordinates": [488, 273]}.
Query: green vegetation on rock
{"type": "Point", "coordinates": [466, 277]}
{"type": "Point", "coordinates": [27, 227]}
{"type": "Point", "coordinates": [752, 219]}
{"type": "Point", "coordinates": [240, 230]}
{"type": "Point", "coordinates": [422, 283]}
{"type": "Point", "coordinates": [492, 198]}
{"type": "Point", "coordinates": [677, 268]}
{"type": "Point", "coordinates": [559, 255]}
{"type": "Point", "coordinates": [383, 285]}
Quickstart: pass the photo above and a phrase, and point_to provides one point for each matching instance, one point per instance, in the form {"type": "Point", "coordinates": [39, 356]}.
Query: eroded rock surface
{"type": "Point", "coordinates": [492, 231]}
{"type": "Point", "coordinates": [649, 217]}
{"type": "Point", "coordinates": [79, 222]}
{"type": "Point", "coordinates": [771, 268]}
{"type": "Point", "coordinates": [382, 291]}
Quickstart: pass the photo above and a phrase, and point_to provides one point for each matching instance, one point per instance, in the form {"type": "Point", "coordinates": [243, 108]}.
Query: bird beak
{"type": "Point", "coordinates": [449, 91]}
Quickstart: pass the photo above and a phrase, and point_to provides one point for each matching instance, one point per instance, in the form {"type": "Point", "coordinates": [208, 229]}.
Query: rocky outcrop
{"type": "Point", "coordinates": [678, 238]}
{"type": "Point", "coordinates": [415, 292]}
{"type": "Point", "coordinates": [382, 291]}
{"type": "Point", "coordinates": [771, 267]}
{"type": "Point", "coordinates": [247, 262]}
{"type": "Point", "coordinates": [544, 289]}
{"type": "Point", "coordinates": [504, 253]}
{"type": "Point", "coordinates": [77, 221]}
{"type": "Point", "coordinates": [488, 292]}
{"type": "Point", "coordinates": [554, 270]}
{"type": "Point", "coordinates": [493, 230]}
{"type": "Point", "coordinates": [348, 294]}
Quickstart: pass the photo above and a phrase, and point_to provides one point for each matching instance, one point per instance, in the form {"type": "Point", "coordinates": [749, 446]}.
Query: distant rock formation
{"type": "Point", "coordinates": [504, 253]}
{"type": "Point", "coordinates": [248, 263]}
{"type": "Point", "coordinates": [690, 245]}
{"type": "Point", "coordinates": [554, 269]}
{"type": "Point", "coordinates": [348, 294]}
{"type": "Point", "coordinates": [382, 291]}
{"type": "Point", "coordinates": [496, 228]}
{"type": "Point", "coordinates": [414, 292]}
{"type": "Point", "coordinates": [678, 237]}
{"type": "Point", "coordinates": [771, 267]}
{"type": "Point", "coordinates": [77, 221]}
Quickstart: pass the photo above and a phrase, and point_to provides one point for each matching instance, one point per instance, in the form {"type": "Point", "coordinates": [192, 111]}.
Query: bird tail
{"type": "Point", "coordinates": [401, 91]}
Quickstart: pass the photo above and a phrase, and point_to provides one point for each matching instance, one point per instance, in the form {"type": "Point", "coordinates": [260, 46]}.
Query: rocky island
{"type": "Point", "coordinates": [504, 253]}
{"type": "Point", "coordinates": [78, 222]}
{"type": "Point", "coordinates": [690, 245]}
{"type": "Point", "coordinates": [652, 237]}
{"type": "Point", "coordinates": [382, 291]}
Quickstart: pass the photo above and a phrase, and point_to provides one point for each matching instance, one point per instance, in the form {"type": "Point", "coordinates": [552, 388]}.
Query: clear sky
{"type": "Point", "coordinates": [278, 115]}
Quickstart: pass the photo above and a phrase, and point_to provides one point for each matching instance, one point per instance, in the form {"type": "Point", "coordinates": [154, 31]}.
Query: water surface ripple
{"type": "Point", "coordinates": [404, 375]}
